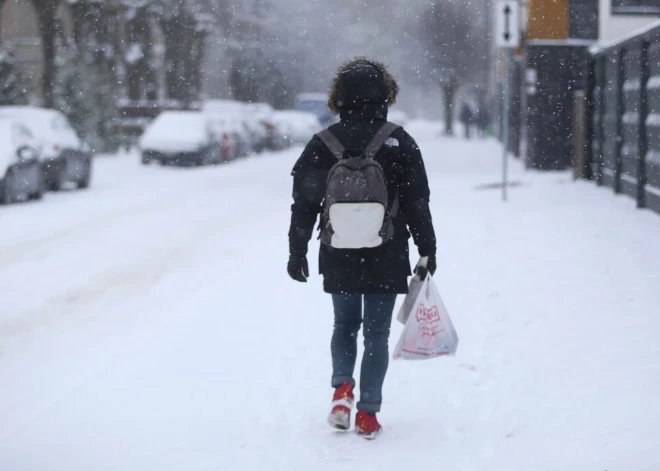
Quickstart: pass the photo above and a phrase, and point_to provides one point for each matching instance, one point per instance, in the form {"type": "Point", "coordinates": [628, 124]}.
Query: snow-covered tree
{"type": "Point", "coordinates": [87, 96]}
{"type": "Point", "coordinates": [86, 86]}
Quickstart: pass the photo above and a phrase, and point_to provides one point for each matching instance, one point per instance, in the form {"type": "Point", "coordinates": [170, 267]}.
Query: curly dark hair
{"type": "Point", "coordinates": [390, 81]}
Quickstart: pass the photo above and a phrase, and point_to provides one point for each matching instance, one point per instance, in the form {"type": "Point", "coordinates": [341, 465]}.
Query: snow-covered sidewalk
{"type": "Point", "coordinates": [149, 324]}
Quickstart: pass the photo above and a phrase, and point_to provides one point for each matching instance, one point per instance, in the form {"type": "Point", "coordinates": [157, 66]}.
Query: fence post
{"type": "Point", "coordinates": [643, 114]}
{"type": "Point", "coordinates": [578, 148]}
{"type": "Point", "coordinates": [618, 157]}
{"type": "Point", "coordinates": [588, 121]}
{"type": "Point", "coordinates": [601, 119]}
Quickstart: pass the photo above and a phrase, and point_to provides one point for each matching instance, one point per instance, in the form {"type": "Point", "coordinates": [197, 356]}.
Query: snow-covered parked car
{"type": "Point", "coordinates": [316, 103]}
{"type": "Point", "coordinates": [62, 153]}
{"type": "Point", "coordinates": [258, 115]}
{"type": "Point", "coordinates": [298, 127]}
{"type": "Point", "coordinates": [180, 138]}
{"type": "Point", "coordinates": [269, 135]}
{"type": "Point", "coordinates": [232, 133]}
{"type": "Point", "coordinates": [21, 176]}
{"type": "Point", "coordinates": [252, 121]}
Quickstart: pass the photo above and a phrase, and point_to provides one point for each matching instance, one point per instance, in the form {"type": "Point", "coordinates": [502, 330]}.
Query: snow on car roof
{"type": "Point", "coordinates": [296, 115]}
{"type": "Point", "coordinates": [49, 126]}
{"type": "Point", "coordinates": [258, 106]}
{"type": "Point", "coordinates": [6, 126]}
{"type": "Point", "coordinates": [32, 111]}
{"type": "Point", "coordinates": [184, 115]}
{"type": "Point", "coordinates": [223, 105]}
{"type": "Point", "coordinates": [175, 127]}
{"type": "Point", "coordinates": [178, 122]}
{"type": "Point", "coordinates": [32, 115]}
{"type": "Point", "coordinates": [312, 97]}
{"type": "Point", "coordinates": [7, 144]}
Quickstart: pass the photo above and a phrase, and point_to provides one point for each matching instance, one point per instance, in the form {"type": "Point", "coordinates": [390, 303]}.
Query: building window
{"type": "Point", "coordinates": [636, 7]}
{"type": "Point", "coordinates": [583, 19]}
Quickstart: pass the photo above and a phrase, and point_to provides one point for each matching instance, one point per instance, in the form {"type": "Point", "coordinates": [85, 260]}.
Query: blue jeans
{"type": "Point", "coordinates": [377, 319]}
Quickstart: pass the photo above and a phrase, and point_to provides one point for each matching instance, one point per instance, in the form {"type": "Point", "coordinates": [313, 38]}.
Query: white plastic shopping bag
{"type": "Point", "coordinates": [409, 302]}
{"type": "Point", "coordinates": [429, 332]}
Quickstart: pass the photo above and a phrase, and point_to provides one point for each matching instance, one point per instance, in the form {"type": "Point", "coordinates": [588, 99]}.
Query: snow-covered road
{"type": "Point", "coordinates": [149, 324]}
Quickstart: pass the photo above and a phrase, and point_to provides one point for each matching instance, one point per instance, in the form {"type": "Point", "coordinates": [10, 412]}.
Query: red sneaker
{"type": "Point", "coordinates": [367, 426]}
{"type": "Point", "coordinates": [342, 404]}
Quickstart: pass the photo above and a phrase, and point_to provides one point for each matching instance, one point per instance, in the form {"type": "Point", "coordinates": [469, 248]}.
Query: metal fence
{"type": "Point", "coordinates": [622, 118]}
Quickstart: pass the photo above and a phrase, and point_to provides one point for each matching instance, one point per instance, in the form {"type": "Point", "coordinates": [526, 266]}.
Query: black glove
{"type": "Point", "coordinates": [298, 268]}
{"type": "Point", "coordinates": [426, 265]}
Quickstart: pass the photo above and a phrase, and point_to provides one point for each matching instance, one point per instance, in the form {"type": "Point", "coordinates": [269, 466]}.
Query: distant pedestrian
{"type": "Point", "coordinates": [365, 177]}
{"type": "Point", "coordinates": [483, 120]}
{"type": "Point", "coordinates": [466, 118]}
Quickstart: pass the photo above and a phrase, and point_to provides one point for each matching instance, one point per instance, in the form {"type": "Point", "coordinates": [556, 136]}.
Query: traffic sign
{"type": "Point", "coordinates": [507, 24]}
{"type": "Point", "coordinates": [507, 37]}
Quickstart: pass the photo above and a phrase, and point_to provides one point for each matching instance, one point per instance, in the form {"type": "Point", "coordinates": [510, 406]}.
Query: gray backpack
{"type": "Point", "coordinates": [355, 209]}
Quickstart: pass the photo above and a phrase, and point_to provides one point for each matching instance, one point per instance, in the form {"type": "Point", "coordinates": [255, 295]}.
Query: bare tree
{"type": "Point", "coordinates": [2, 4]}
{"type": "Point", "coordinates": [456, 54]}
{"type": "Point", "coordinates": [186, 26]}
{"type": "Point", "coordinates": [140, 75]}
{"type": "Point", "coordinates": [47, 18]}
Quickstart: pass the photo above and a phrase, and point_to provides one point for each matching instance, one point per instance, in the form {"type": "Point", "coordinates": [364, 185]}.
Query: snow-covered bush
{"type": "Point", "coordinates": [12, 86]}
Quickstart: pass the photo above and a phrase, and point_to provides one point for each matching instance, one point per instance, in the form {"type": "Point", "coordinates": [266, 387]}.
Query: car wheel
{"type": "Point", "coordinates": [39, 191]}
{"type": "Point", "coordinates": [5, 189]}
{"type": "Point", "coordinates": [83, 183]}
{"type": "Point", "coordinates": [56, 182]}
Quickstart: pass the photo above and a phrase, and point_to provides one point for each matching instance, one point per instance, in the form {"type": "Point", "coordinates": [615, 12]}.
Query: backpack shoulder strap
{"type": "Point", "coordinates": [332, 143]}
{"type": "Point", "coordinates": [379, 139]}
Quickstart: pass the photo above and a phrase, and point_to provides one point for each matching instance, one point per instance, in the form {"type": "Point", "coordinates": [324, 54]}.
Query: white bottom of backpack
{"type": "Point", "coordinates": [356, 225]}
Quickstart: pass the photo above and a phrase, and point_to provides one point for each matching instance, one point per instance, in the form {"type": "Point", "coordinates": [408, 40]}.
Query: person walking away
{"type": "Point", "coordinates": [366, 179]}
{"type": "Point", "coordinates": [466, 119]}
{"type": "Point", "coordinates": [483, 119]}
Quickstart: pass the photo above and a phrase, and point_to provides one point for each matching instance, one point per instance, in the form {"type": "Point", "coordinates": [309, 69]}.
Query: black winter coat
{"type": "Point", "coordinates": [378, 270]}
